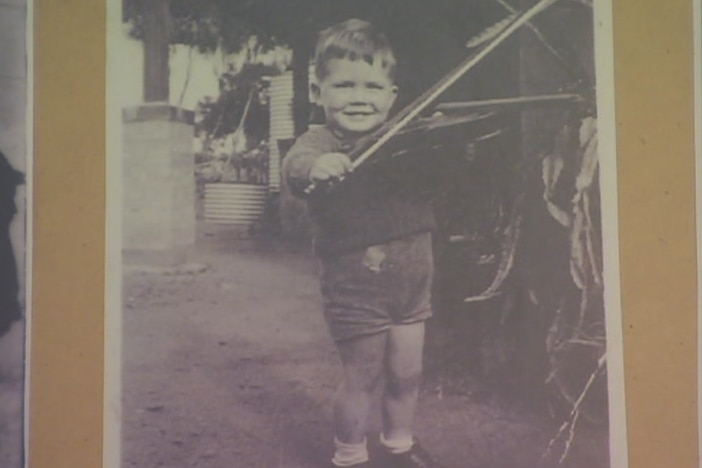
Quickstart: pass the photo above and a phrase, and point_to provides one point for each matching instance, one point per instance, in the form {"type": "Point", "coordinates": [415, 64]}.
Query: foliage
{"type": "Point", "coordinates": [209, 25]}
{"type": "Point", "coordinates": [249, 166]}
{"type": "Point", "coordinates": [235, 127]}
{"type": "Point", "coordinates": [204, 24]}
{"type": "Point", "coordinates": [240, 91]}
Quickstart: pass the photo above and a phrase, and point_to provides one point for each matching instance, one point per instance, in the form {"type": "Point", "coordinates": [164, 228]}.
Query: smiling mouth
{"type": "Point", "coordinates": [358, 114]}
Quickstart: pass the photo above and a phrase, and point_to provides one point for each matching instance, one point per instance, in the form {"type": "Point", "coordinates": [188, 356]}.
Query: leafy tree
{"type": "Point", "coordinates": [211, 24]}
{"type": "Point", "coordinates": [242, 101]}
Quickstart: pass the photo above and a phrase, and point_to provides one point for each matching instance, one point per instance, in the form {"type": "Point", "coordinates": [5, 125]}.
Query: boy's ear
{"type": "Point", "coordinates": [395, 90]}
{"type": "Point", "coordinates": [314, 91]}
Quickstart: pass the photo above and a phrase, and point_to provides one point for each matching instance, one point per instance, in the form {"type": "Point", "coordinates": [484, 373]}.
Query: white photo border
{"type": "Point", "coordinates": [607, 140]}
{"type": "Point", "coordinates": [112, 414]}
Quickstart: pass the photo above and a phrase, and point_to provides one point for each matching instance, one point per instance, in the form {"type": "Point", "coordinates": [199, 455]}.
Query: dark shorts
{"type": "Point", "coordinates": [367, 291]}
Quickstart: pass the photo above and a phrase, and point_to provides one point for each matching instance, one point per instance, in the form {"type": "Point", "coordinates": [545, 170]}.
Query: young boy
{"type": "Point", "coordinates": [374, 242]}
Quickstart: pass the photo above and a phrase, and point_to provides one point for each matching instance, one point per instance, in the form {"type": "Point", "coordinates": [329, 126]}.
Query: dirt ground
{"type": "Point", "coordinates": [232, 367]}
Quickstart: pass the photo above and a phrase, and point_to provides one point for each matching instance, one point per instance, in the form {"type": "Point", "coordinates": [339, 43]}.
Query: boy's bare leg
{"type": "Point", "coordinates": [363, 360]}
{"type": "Point", "coordinates": [403, 373]}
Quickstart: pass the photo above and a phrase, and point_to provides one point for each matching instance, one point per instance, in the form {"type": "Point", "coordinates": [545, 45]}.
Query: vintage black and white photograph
{"type": "Point", "coordinates": [15, 150]}
{"type": "Point", "coordinates": [361, 233]}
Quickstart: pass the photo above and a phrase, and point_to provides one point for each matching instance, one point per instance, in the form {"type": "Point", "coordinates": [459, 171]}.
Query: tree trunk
{"type": "Point", "coordinates": [300, 65]}
{"type": "Point", "coordinates": [156, 39]}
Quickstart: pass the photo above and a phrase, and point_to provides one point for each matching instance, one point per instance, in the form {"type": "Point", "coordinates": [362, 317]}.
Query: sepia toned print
{"type": "Point", "coordinates": [265, 213]}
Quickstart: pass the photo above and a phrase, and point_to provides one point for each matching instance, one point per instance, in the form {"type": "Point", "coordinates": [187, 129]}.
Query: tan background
{"type": "Point", "coordinates": [66, 354]}
{"type": "Point", "coordinates": [654, 79]}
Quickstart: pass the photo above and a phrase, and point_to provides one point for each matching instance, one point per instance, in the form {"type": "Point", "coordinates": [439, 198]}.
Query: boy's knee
{"type": "Point", "coordinates": [361, 380]}
{"type": "Point", "coordinates": [403, 385]}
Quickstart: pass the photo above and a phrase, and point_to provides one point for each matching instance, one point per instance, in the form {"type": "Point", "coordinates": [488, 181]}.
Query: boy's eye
{"type": "Point", "coordinates": [376, 86]}
{"type": "Point", "coordinates": [343, 84]}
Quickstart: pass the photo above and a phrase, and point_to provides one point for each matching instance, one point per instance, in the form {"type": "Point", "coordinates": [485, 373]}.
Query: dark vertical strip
{"type": "Point", "coordinates": [302, 52]}
{"type": "Point", "coordinates": [156, 39]}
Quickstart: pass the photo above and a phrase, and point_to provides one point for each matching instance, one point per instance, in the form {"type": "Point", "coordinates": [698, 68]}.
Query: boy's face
{"type": "Point", "coordinates": [356, 96]}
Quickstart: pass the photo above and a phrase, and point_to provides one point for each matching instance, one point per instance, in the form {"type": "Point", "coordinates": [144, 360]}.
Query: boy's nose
{"type": "Point", "coordinates": [359, 96]}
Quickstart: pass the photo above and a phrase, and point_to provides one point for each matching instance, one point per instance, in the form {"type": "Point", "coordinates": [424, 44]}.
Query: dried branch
{"type": "Point", "coordinates": [572, 420]}
{"type": "Point", "coordinates": [509, 248]}
{"type": "Point", "coordinates": [539, 35]}
{"type": "Point", "coordinates": [490, 32]}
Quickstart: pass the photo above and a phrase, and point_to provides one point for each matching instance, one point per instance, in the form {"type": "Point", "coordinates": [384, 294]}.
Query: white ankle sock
{"type": "Point", "coordinates": [395, 446]}
{"type": "Point", "coordinates": [349, 454]}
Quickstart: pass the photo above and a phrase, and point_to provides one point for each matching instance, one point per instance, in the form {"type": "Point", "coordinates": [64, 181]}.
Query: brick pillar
{"type": "Point", "coordinates": [159, 185]}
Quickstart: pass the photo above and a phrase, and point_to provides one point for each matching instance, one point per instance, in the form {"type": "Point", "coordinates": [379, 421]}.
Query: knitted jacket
{"type": "Point", "coordinates": [370, 207]}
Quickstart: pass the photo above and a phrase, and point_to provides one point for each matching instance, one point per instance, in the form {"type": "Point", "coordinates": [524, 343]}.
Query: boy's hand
{"type": "Point", "coordinates": [330, 167]}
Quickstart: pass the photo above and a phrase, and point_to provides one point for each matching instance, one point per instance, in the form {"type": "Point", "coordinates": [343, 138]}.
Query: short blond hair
{"type": "Point", "coordinates": [353, 39]}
